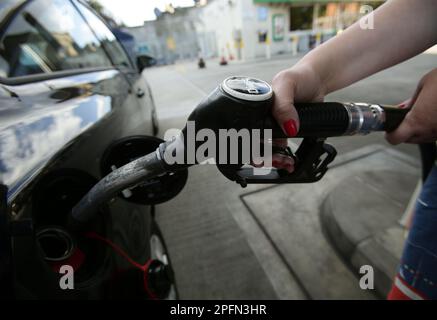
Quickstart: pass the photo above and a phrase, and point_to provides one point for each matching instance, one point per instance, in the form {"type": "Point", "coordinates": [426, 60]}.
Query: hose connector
{"type": "Point", "coordinates": [364, 118]}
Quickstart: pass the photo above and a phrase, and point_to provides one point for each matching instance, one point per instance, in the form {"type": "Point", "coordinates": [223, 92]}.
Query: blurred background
{"type": "Point", "coordinates": [233, 29]}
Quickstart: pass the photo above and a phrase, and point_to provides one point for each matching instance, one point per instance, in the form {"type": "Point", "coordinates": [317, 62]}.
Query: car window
{"type": "Point", "coordinates": [48, 36]}
{"type": "Point", "coordinates": [105, 35]}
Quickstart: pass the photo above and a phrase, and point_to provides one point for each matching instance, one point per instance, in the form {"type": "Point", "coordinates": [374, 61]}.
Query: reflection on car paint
{"type": "Point", "coordinates": [27, 144]}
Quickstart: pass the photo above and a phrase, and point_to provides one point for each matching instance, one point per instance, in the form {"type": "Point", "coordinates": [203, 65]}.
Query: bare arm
{"type": "Point", "coordinates": [402, 29]}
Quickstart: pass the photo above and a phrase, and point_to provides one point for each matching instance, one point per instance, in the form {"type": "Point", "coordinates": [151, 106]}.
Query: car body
{"type": "Point", "coordinates": [68, 94]}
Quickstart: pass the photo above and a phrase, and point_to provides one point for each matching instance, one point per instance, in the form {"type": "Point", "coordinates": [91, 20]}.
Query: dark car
{"type": "Point", "coordinates": [73, 107]}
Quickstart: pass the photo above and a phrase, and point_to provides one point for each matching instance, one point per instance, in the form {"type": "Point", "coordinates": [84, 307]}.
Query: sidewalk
{"type": "Point", "coordinates": [362, 216]}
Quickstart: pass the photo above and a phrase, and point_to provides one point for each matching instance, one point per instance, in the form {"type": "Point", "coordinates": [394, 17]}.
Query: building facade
{"type": "Point", "coordinates": [169, 38]}
{"type": "Point", "coordinates": [246, 29]}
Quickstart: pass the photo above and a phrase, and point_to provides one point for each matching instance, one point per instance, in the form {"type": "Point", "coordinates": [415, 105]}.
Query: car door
{"type": "Point", "coordinates": [64, 100]}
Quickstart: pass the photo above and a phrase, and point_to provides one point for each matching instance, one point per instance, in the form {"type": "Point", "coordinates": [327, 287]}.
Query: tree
{"type": "Point", "coordinates": [108, 17]}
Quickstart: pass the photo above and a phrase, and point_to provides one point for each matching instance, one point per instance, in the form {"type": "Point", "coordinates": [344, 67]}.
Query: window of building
{"type": "Point", "coordinates": [301, 17]}
{"type": "Point", "coordinates": [49, 36]}
{"type": "Point", "coordinates": [323, 9]}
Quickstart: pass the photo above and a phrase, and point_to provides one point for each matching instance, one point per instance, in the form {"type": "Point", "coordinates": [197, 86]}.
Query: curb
{"type": "Point", "coordinates": [379, 246]}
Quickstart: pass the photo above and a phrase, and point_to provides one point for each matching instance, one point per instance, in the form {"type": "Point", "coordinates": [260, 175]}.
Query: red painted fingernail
{"type": "Point", "coordinates": [290, 128]}
{"type": "Point", "coordinates": [404, 104]}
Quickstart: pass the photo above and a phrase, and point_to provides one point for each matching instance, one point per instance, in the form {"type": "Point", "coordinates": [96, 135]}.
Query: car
{"type": "Point", "coordinates": [73, 107]}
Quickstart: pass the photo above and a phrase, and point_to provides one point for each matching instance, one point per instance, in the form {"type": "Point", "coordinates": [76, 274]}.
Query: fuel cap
{"type": "Point", "coordinates": [246, 88]}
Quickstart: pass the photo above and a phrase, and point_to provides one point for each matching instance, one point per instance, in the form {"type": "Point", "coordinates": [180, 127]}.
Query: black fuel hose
{"type": "Point", "coordinates": [428, 155]}
{"type": "Point", "coordinates": [129, 175]}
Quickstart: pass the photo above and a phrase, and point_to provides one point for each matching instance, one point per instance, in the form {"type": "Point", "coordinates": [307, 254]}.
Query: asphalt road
{"type": "Point", "coordinates": [219, 249]}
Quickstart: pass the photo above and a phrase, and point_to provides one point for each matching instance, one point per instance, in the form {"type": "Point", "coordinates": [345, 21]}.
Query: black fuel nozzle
{"type": "Point", "coordinates": [243, 103]}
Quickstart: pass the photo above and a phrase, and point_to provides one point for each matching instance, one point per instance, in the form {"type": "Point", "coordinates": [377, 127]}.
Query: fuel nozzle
{"type": "Point", "coordinates": [246, 103]}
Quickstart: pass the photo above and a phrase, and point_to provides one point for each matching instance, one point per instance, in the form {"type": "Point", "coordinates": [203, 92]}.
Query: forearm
{"type": "Point", "coordinates": [402, 29]}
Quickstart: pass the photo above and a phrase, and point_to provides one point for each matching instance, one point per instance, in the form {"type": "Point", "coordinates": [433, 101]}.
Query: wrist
{"type": "Point", "coordinates": [310, 76]}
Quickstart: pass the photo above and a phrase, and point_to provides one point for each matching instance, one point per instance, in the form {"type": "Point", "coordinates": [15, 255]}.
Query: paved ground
{"type": "Point", "coordinates": [362, 214]}
{"type": "Point", "coordinates": [228, 242]}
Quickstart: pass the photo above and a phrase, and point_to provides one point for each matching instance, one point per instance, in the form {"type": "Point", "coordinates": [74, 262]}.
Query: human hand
{"type": "Point", "coordinates": [299, 84]}
{"type": "Point", "coordinates": [420, 124]}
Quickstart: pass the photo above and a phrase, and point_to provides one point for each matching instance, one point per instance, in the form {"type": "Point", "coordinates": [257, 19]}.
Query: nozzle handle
{"type": "Point", "coordinates": [327, 119]}
{"type": "Point", "coordinates": [334, 119]}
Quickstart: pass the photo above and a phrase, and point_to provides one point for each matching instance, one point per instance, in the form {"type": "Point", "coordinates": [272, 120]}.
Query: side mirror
{"type": "Point", "coordinates": [144, 61]}
{"type": "Point", "coordinates": [154, 191]}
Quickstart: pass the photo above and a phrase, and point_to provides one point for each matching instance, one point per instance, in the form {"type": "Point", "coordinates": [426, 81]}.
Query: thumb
{"type": "Point", "coordinates": [283, 109]}
{"type": "Point", "coordinates": [287, 117]}
{"type": "Point", "coordinates": [404, 132]}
